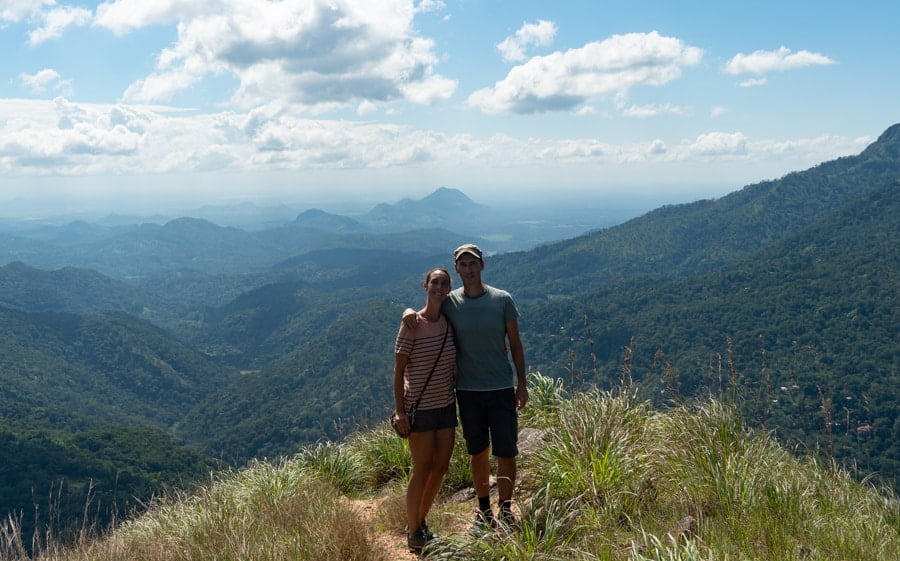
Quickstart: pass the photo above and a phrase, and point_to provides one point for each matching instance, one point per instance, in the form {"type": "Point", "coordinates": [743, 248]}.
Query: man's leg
{"type": "Point", "coordinates": [504, 439]}
{"type": "Point", "coordinates": [480, 464]}
{"type": "Point", "coordinates": [506, 478]}
{"type": "Point", "coordinates": [481, 473]}
{"type": "Point", "coordinates": [472, 415]}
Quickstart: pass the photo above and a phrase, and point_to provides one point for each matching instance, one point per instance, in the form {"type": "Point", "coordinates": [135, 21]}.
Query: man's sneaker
{"type": "Point", "coordinates": [416, 540]}
{"type": "Point", "coordinates": [507, 517]}
{"type": "Point", "coordinates": [484, 520]}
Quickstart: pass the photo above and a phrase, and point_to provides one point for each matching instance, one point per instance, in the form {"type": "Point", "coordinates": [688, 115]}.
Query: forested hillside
{"type": "Point", "coordinates": [82, 476]}
{"type": "Point", "coordinates": [88, 404]}
{"type": "Point", "coordinates": [29, 289]}
{"type": "Point", "coordinates": [338, 381]}
{"type": "Point", "coordinates": [695, 238]}
{"type": "Point", "coordinates": [809, 326]}
{"type": "Point", "coordinates": [783, 292]}
{"type": "Point", "coordinates": [110, 368]}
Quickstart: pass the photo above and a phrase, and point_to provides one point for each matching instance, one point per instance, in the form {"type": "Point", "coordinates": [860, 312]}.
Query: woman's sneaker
{"type": "Point", "coordinates": [416, 540]}
{"type": "Point", "coordinates": [428, 534]}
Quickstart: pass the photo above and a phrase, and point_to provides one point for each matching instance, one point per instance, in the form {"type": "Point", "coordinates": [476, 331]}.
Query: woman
{"type": "Point", "coordinates": [424, 380]}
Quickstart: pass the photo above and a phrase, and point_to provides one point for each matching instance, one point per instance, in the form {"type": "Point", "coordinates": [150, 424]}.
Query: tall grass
{"type": "Point", "coordinates": [612, 480]}
{"type": "Point", "coordinates": [266, 512]}
{"type": "Point", "coordinates": [546, 396]}
{"type": "Point", "coordinates": [546, 530]}
{"type": "Point", "coordinates": [621, 481]}
{"type": "Point", "coordinates": [597, 450]}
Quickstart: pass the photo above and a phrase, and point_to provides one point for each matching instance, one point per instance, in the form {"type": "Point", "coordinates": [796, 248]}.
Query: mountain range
{"type": "Point", "coordinates": [155, 246]}
{"type": "Point", "coordinates": [232, 344]}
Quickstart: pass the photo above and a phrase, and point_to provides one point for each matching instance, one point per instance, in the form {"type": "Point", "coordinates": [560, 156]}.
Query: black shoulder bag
{"type": "Point", "coordinates": [412, 414]}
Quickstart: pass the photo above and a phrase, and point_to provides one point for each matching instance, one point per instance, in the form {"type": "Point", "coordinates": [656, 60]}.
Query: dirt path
{"type": "Point", "coordinates": [393, 544]}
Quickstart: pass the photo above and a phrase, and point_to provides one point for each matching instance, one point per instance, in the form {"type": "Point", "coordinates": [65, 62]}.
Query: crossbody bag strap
{"type": "Point", "coordinates": [438, 359]}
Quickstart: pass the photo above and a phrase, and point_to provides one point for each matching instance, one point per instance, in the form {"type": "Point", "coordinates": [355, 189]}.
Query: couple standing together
{"type": "Point", "coordinates": [456, 350]}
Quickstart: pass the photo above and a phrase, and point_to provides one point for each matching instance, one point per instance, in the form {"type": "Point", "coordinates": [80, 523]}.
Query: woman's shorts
{"type": "Point", "coordinates": [435, 419]}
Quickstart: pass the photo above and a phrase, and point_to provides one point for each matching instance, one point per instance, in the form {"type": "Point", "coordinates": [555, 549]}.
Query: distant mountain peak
{"type": "Point", "coordinates": [886, 147]}
{"type": "Point", "coordinates": [311, 213]}
{"type": "Point", "coordinates": [439, 209]}
{"type": "Point", "coordinates": [446, 195]}
{"type": "Point", "coordinates": [320, 220]}
{"type": "Point", "coordinates": [441, 199]}
{"type": "Point", "coordinates": [892, 133]}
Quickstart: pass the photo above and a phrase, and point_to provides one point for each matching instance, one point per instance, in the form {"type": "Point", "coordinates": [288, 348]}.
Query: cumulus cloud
{"type": "Point", "coordinates": [657, 147]}
{"type": "Point", "coordinates": [18, 10]}
{"type": "Point", "coordinates": [564, 81]}
{"type": "Point", "coordinates": [43, 80]}
{"type": "Point", "coordinates": [56, 21]}
{"type": "Point", "coordinates": [66, 138]}
{"type": "Point", "coordinates": [763, 62]}
{"type": "Point", "coordinates": [366, 108]}
{"type": "Point", "coordinates": [317, 55]}
{"type": "Point", "coordinates": [719, 144]}
{"type": "Point", "coordinates": [49, 21]}
{"type": "Point", "coordinates": [124, 16]}
{"type": "Point", "coordinates": [512, 49]}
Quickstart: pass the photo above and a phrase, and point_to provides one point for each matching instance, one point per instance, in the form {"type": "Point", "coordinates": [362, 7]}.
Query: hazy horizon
{"type": "Point", "coordinates": [348, 103]}
{"type": "Point", "coordinates": [46, 207]}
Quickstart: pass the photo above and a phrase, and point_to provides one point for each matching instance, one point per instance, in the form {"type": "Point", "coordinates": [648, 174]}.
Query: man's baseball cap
{"type": "Point", "coordinates": [467, 248]}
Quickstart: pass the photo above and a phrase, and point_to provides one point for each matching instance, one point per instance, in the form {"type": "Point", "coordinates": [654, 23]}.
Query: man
{"type": "Point", "coordinates": [485, 320]}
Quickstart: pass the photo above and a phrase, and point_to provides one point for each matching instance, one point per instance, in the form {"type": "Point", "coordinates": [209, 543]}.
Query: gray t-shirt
{"type": "Point", "coordinates": [479, 323]}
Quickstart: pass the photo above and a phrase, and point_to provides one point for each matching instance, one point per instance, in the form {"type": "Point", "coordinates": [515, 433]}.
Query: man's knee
{"type": "Point", "coordinates": [481, 455]}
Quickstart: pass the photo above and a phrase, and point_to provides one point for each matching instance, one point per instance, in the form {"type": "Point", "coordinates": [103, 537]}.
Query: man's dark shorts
{"type": "Point", "coordinates": [489, 418]}
{"type": "Point", "coordinates": [435, 419]}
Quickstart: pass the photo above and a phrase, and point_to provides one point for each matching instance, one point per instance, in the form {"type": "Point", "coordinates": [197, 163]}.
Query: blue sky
{"type": "Point", "coordinates": [519, 102]}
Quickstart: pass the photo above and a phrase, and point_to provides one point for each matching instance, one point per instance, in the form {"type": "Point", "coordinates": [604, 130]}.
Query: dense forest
{"type": "Point", "coordinates": [804, 331]}
{"type": "Point", "coordinates": [131, 357]}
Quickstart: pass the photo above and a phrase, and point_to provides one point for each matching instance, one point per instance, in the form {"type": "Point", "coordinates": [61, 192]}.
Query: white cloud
{"type": "Point", "coordinates": [717, 111]}
{"type": "Point", "coordinates": [719, 144]}
{"type": "Point", "coordinates": [316, 55]}
{"type": "Point", "coordinates": [40, 81]}
{"type": "Point", "coordinates": [566, 80]}
{"type": "Point", "coordinates": [159, 87]}
{"type": "Point", "coordinates": [653, 110]}
{"type": "Point", "coordinates": [18, 10]}
{"type": "Point", "coordinates": [366, 108]}
{"type": "Point", "coordinates": [74, 139]}
{"type": "Point", "coordinates": [49, 21]}
{"type": "Point", "coordinates": [425, 6]}
{"type": "Point", "coordinates": [762, 62]}
{"type": "Point", "coordinates": [753, 82]}
{"type": "Point", "coordinates": [540, 33]}
{"type": "Point", "coordinates": [77, 141]}
{"type": "Point", "coordinates": [124, 16]}
{"type": "Point", "coordinates": [56, 21]}
{"type": "Point", "coordinates": [657, 147]}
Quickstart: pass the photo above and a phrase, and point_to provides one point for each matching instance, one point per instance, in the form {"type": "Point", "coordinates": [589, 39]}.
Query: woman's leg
{"type": "Point", "coordinates": [442, 451]}
{"type": "Point", "coordinates": [421, 448]}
